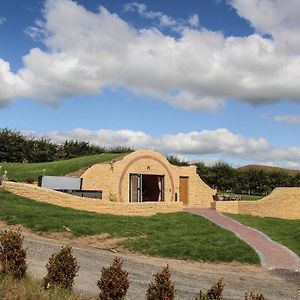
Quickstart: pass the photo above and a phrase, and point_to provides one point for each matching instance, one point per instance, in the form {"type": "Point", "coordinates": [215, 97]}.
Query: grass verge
{"type": "Point", "coordinates": [285, 232]}
{"type": "Point", "coordinates": [19, 171]}
{"type": "Point", "coordinates": [176, 235]}
{"type": "Point", "coordinates": [29, 288]}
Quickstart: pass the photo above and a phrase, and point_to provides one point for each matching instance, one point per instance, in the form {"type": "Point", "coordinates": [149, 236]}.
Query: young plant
{"type": "Point", "coordinates": [254, 297]}
{"type": "Point", "coordinates": [214, 293]}
{"type": "Point", "coordinates": [114, 281]}
{"type": "Point", "coordinates": [62, 268]}
{"type": "Point", "coordinates": [162, 288]}
{"type": "Point", "coordinates": [12, 254]}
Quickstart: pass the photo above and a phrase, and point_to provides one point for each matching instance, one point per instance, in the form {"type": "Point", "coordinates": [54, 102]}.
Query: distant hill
{"type": "Point", "coordinates": [270, 169]}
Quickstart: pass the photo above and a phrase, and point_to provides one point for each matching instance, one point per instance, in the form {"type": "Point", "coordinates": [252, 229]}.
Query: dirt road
{"type": "Point", "coordinates": [188, 276]}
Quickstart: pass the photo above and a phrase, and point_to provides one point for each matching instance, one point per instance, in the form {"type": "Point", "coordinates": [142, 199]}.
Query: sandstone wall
{"type": "Point", "coordinates": [93, 205]}
{"type": "Point", "coordinates": [282, 203]}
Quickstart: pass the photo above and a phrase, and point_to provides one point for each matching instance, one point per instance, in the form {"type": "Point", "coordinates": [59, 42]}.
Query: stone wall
{"type": "Point", "coordinates": [94, 205]}
{"type": "Point", "coordinates": [282, 203]}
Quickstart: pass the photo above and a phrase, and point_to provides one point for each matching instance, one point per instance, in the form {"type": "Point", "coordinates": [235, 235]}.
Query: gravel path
{"type": "Point", "coordinates": [189, 277]}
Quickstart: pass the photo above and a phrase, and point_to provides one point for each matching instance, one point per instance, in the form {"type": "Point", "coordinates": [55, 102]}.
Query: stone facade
{"type": "Point", "coordinates": [113, 178]}
{"type": "Point", "coordinates": [282, 203]}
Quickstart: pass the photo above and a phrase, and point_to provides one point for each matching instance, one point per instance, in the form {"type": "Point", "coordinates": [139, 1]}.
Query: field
{"type": "Point", "coordinates": [20, 171]}
{"type": "Point", "coordinates": [177, 235]}
{"type": "Point", "coordinates": [285, 232]}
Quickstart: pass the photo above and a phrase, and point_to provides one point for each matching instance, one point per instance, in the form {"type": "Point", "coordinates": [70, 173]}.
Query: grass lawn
{"type": "Point", "coordinates": [243, 196]}
{"type": "Point", "coordinates": [285, 232]}
{"type": "Point", "coordinates": [251, 197]}
{"type": "Point", "coordinates": [19, 171]}
{"type": "Point", "coordinates": [176, 235]}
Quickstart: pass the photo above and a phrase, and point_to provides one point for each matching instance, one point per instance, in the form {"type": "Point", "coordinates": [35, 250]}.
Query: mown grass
{"type": "Point", "coordinates": [285, 232]}
{"type": "Point", "coordinates": [20, 171]}
{"type": "Point", "coordinates": [176, 235]}
{"type": "Point", "coordinates": [32, 289]}
{"type": "Point", "coordinates": [251, 197]}
{"type": "Point", "coordinates": [244, 197]}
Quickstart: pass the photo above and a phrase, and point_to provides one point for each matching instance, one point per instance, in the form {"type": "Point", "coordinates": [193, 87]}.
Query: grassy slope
{"type": "Point", "coordinates": [270, 169]}
{"type": "Point", "coordinates": [19, 171]}
{"type": "Point", "coordinates": [286, 232]}
{"type": "Point", "coordinates": [178, 235]}
{"type": "Point", "coordinates": [30, 288]}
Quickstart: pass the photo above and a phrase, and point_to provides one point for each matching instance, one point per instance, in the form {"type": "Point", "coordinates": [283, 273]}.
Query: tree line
{"type": "Point", "coordinates": [17, 148]}
{"type": "Point", "coordinates": [252, 181]}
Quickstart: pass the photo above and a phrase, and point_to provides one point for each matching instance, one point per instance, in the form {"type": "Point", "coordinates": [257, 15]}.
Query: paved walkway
{"type": "Point", "coordinates": [272, 254]}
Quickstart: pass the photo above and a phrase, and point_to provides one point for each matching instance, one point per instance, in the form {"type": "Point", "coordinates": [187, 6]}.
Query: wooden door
{"type": "Point", "coordinates": [134, 188]}
{"type": "Point", "coordinates": [183, 189]}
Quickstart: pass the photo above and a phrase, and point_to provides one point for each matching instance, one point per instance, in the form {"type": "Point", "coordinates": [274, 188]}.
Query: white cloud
{"type": "Point", "coordinates": [194, 20]}
{"type": "Point", "coordinates": [288, 118]}
{"type": "Point", "coordinates": [2, 20]}
{"type": "Point", "coordinates": [276, 17]}
{"type": "Point", "coordinates": [210, 144]}
{"type": "Point", "coordinates": [200, 70]}
{"type": "Point", "coordinates": [162, 19]}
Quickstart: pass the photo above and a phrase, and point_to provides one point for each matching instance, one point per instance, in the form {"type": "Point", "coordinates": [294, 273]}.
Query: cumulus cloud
{"type": "Point", "coordinates": [275, 17]}
{"type": "Point", "coordinates": [211, 144]}
{"type": "Point", "coordinates": [199, 70]}
{"type": "Point", "coordinates": [288, 118]}
{"type": "Point", "coordinates": [161, 19]}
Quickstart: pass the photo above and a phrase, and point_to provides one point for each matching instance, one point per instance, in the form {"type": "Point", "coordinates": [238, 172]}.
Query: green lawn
{"type": "Point", "coordinates": [243, 196]}
{"type": "Point", "coordinates": [285, 232]}
{"type": "Point", "coordinates": [177, 235]}
{"type": "Point", "coordinates": [19, 171]}
{"type": "Point", "coordinates": [251, 197]}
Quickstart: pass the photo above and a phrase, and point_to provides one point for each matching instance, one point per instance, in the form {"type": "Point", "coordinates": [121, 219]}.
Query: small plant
{"type": "Point", "coordinates": [162, 288]}
{"type": "Point", "coordinates": [254, 297]}
{"type": "Point", "coordinates": [114, 281]}
{"type": "Point", "coordinates": [62, 268]}
{"type": "Point", "coordinates": [29, 180]}
{"type": "Point", "coordinates": [112, 197]}
{"type": "Point", "coordinates": [214, 293]}
{"type": "Point", "coordinates": [12, 254]}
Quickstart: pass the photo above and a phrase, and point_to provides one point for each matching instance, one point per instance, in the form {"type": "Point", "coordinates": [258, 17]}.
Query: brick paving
{"type": "Point", "coordinates": [272, 254]}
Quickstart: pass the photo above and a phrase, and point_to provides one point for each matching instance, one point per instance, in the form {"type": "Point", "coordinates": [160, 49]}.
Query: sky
{"type": "Point", "coordinates": [200, 79]}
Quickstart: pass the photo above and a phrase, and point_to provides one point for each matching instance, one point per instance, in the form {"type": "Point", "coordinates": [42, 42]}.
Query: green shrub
{"type": "Point", "coordinates": [214, 293]}
{"type": "Point", "coordinates": [254, 297]}
{"type": "Point", "coordinates": [12, 254]}
{"type": "Point", "coordinates": [162, 288]}
{"type": "Point", "coordinates": [62, 268]}
{"type": "Point", "coordinates": [114, 281]}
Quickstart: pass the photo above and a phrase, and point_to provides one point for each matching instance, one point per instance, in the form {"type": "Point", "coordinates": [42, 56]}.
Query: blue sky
{"type": "Point", "coordinates": [205, 80]}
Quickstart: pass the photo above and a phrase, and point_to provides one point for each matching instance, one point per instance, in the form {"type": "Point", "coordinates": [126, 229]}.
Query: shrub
{"type": "Point", "coordinates": [12, 254]}
{"type": "Point", "coordinates": [162, 288]}
{"type": "Point", "coordinates": [112, 197]}
{"type": "Point", "coordinates": [114, 281]}
{"type": "Point", "coordinates": [62, 268]}
{"type": "Point", "coordinates": [29, 180]}
{"type": "Point", "coordinates": [254, 297]}
{"type": "Point", "coordinates": [214, 293]}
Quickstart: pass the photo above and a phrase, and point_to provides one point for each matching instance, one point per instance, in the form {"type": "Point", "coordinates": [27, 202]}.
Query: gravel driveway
{"type": "Point", "coordinates": [189, 277]}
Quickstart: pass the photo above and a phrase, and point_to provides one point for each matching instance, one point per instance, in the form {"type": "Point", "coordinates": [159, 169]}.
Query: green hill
{"type": "Point", "coordinates": [20, 171]}
{"type": "Point", "coordinates": [270, 169]}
